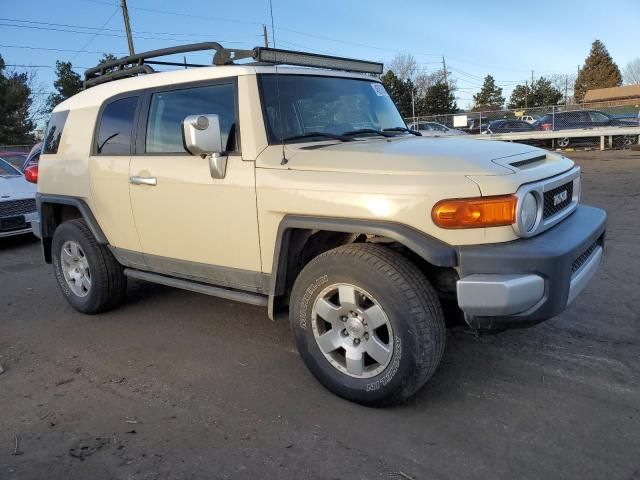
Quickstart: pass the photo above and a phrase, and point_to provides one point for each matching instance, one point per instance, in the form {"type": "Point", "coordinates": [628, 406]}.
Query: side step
{"type": "Point", "coordinates": [236, 295]}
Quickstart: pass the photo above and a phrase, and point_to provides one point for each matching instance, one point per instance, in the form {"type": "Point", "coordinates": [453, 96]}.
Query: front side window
{"type": "Point", "coordinates": [54, 132]}
{"type": "Point", "coordinates": [598, 117]}
{"type": "Point", "coordinates": [296, 105]}
{"type": "Point", "coordinates": [116, 127]}
{"type": "Point", "coordinates": [169, 109]}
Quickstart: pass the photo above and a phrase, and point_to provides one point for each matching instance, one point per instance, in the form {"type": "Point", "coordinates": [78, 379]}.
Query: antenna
{"type": "Point", "coordinates": [284, 160]}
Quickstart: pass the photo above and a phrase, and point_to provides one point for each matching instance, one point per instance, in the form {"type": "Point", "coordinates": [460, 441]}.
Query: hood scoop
{"type": "Point", "coordinates": [528, 162]}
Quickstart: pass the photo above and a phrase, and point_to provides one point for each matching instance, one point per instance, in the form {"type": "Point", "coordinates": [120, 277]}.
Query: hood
{"type": "Point", "coordinates": [409, 156]}
{"type": "Point", "coordinates": [16, 187]}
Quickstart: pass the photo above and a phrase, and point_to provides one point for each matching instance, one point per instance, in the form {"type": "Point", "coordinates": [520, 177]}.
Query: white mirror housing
{"type": "Point", "coordinates": [202, 134]}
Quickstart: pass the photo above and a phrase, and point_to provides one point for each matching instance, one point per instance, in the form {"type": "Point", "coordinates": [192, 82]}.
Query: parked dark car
{"type": "Point", "coordinates": [585, 119]}
{"type": "Point", "coordinates": [509, 126]}
{"type": "Point", "coordinates": [581, 119]}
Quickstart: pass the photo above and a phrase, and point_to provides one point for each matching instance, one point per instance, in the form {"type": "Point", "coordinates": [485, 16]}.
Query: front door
{"type": "Point", "coordinates": [190, 224]}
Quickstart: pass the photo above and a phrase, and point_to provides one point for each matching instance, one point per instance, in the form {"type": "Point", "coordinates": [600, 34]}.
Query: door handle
{"type": "Point", "coordinates": [153, 181]}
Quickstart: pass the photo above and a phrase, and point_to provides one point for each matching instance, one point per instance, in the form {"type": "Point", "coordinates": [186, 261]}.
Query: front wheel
{"type": "Point", "coordinates": [367, 324]}
{"type": "Point", "coordinates": [562, 142]}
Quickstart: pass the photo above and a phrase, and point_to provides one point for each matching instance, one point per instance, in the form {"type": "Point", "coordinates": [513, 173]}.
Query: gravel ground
{"type": "Point", "coordinates": [176, 385]}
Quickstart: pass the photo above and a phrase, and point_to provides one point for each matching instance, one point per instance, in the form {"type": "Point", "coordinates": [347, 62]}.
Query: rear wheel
{"type": "Point", "coordinates": [367, 324]}
{"type": "Point", "coordinates": [90, 278]}
{"type": "Point", "coordinates": [562, 142]}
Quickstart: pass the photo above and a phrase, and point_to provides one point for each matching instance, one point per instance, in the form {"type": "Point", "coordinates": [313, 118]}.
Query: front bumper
{"type": "Point", "coordinates": [520, 283]}
{"type": "Point", "coordinates": [30, 219]}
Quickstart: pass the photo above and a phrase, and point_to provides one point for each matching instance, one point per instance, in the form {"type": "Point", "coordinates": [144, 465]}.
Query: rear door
{"type": "Point", "coordinates": [111, 150]}
{"type": "Point", "coordinates": [189, 223]}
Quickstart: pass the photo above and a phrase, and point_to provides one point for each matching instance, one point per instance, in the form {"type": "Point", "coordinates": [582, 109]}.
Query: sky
{"type": "Point", "coordinates": [503, 38]}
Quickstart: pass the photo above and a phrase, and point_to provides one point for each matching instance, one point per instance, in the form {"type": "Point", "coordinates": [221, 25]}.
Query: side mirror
{"type": "Point", "coordinates": [202, 137]}
{"type": "Point", "coordinates": [202, 134]}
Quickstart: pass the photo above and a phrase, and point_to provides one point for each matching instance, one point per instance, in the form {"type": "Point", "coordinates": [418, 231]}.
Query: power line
{"type": "Point", "coordinates": [40, 66]}
{"type": "Point", "coordinates": [94, 36]}
{"type": "Point", "coordinates": [181, 14]}
{"type": "Point", "coordinates": [49, 49]}
{"type": "Point", "coordinates": [104, 32]}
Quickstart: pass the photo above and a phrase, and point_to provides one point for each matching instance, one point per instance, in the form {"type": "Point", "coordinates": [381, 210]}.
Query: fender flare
{"type": "Point", "coordinates": [430, 249]}
{"type": "Point", "coordinates": [47, 225]}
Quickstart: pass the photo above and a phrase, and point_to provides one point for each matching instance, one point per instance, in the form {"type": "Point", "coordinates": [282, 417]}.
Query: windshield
{"type": "Point", "coordinates": [297, 106]}
{"type": "Point", "coordinates": [6, 169]}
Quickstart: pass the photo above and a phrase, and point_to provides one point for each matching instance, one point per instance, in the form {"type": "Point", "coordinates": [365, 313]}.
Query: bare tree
{"type": "Point", "coordinates": [564, 83]}
{"type": "Point", "coordinates": [404, 66]}
{"type": "Point", "coordinates": [631, 73]}
{"type": "Point", "coordinates": [38, 113]}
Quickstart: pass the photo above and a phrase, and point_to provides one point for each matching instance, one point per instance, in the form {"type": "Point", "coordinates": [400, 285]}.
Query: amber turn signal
{"type": "Point", "coordinates": [475, 212]}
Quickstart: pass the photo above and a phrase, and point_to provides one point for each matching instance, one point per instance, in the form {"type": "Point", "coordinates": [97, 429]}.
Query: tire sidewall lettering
{"type": "Point", "coordinates": [306, 298]}
{"type": "Point", "coordinates": [391, 370]}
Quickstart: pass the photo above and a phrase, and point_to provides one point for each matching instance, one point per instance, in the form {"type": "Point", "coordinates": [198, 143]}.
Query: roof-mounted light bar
{"type": "Point", "coordinates": [140, 63]}
{"type": "Point", "coordinates": [303, 59]}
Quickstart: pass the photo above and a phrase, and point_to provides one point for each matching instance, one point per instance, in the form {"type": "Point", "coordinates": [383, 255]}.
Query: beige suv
{"type": "Point", "coordinates": [301, 189]}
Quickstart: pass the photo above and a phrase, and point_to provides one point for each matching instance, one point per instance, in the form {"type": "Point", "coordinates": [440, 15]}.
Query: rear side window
{"type": "Point", "coordinates": [116, 127]}
{"type": "Point", "coordinates": [54, 132]}
{"type": "Point", "coordinates": [169, 109]}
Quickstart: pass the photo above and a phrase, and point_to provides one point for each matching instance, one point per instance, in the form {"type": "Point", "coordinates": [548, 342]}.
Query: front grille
{"type": "Point", "coordinates": [12, 208]}
{"type": "Point", "coordinates": [551, 205]}
{"type": "Point", "coordinates": [582, 259]}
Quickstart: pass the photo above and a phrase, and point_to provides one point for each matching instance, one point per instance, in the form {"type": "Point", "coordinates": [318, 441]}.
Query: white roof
{"type": "Point", "coordinates": [95, 96]}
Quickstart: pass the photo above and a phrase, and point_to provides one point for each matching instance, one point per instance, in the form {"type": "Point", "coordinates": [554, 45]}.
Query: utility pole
{"type": "Point", "coordinates": [444, 69]}
{"type": "Point", "coordinates": [127, 25]}
{"type": "Point", "coordinates": [566, 89]}
{"type": "Point", "coordinates": [265, 35]}
{"type": "Point", "coordinates": [531, 78]}
{"type": "Point", "coordinates": [526, 94]}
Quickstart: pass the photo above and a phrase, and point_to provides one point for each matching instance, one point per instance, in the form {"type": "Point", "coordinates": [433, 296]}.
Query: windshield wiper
{"type": "Point", "coordinates": [332, 136]}
{"type": "Point", "coordinates": [403, 129]}
{"type": "Point", "coordinates": [365, 131]}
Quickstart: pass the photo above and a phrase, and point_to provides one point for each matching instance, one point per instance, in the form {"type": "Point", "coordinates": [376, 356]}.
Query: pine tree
{"type": "Point", "coordinates": [540, 93]}
{"type": "Point", "coordinates": [67, 84]}
{"type": "Point", "coordinates": [489, 97]}
{"type": "Point", "coordinates": [438, 100]}
{"type": "Point", "coordinates": [599, 71]}
{"type": "Point", "coordinates": [544, 93]}
{"type": "Point", "coordinates": [15, 102]}
{"type": "Point", "coordinates": [399, 91]}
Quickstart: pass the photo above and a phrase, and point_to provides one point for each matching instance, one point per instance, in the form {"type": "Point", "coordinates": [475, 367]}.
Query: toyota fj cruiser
{"type": "Point", "coordinates": [301, 189]}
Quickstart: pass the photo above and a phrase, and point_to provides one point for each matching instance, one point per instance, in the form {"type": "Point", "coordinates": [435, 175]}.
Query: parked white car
{"type": "Point", "coordinates": [17, 201]}
{"type": "Point", "coordinates": [435, 129]}
{"type": "Point", "coordinates": [527, 118]}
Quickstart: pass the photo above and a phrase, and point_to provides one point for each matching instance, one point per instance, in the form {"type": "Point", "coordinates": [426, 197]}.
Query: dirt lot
{"type": "Point", "coordinates": [177, 385]}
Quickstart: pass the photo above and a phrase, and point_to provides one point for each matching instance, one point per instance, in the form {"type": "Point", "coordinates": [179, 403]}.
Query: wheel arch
{"type": "Point", "coordinates": [295, 231]}
{"type": "Point", "coordinates": [56, 209]}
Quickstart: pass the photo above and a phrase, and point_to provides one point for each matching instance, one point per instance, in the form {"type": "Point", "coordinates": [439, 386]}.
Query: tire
{"type": "Point", "coordinates": [624, 142]}
{"type": "Point", "coordinates": [563, 142]}
{"type": "Point", "coordinates": [97, 282]}
{"type": "Point", "coordinates": [383, 280]}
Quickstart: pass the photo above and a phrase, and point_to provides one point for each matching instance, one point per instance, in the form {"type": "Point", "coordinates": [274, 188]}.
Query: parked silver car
{"type": "Point", "coordinates": [435, 129]}
{"type": "Point", "coordinates": [17, 201]}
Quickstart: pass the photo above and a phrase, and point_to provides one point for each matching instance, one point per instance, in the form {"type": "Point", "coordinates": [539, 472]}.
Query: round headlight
{"type": "Point", "coordinates": [528, 212]}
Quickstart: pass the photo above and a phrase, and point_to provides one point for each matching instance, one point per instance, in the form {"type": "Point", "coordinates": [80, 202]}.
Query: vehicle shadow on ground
{"type": "Point", "coordinates": [9, 243]}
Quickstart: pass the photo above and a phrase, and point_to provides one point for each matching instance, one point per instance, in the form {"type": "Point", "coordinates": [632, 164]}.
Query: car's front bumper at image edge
{"type": "Point", "coordinates": [31, 219]}
{"type": "Point", "coordinates": [526, 281]}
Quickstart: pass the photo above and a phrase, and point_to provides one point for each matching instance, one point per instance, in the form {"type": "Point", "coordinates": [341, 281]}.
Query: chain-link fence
{"type": "Point", "coordinates": [561, 124]}
{"type": "Point", "coordinates": [16, 148]}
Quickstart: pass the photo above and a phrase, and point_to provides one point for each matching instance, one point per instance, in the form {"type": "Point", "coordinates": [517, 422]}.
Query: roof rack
{"type": "Point", "coordinates": [141, 63]}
